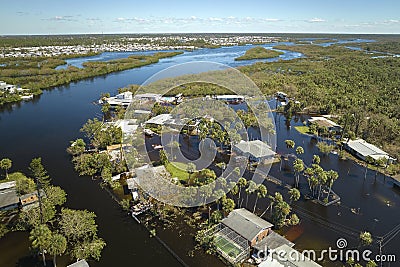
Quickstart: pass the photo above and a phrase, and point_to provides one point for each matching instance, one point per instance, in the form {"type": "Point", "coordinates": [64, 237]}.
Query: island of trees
{"type": "Point", "coordinates": [259, 52]}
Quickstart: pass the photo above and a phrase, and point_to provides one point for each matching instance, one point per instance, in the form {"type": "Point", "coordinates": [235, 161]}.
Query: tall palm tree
{"type": "Point", "coordinates": [294, 194]}
{"type": "Point", "coordinates": [242, 182]}
{"type": "Point", "coordinates": [261, 192]}
{"type": "Point", "coordinates": [290, 143]}
{"type": "Point", "coordinates": [332, 177]}
{"type": "Point", "coordinates": [6, 164]}
{"type": "Point", "coordinates": [251, 187]}
{"type": "Point", "coordinates": [298, 166]}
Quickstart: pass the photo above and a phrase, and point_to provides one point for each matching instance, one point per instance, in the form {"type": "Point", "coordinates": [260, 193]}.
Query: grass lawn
{"type": "Point", "coordinates": [227, 246]}
{"type": "Point", "coordinates": [178, 169]}
{"type": "Point", "coordinates": [302, 129]}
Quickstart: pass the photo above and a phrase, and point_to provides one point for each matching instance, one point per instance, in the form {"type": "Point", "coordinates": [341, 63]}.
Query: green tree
{"type": "Point", "coordinates": [163, 157]}
{"type": "Point", "coordinates": [294, 194]}
{"type": "Point", "coordinates": [57, 246]}
{"type": "Point", "coordinates": [299, 150]}
{"type": "Point", "coordinates": [242, 182]}
{"type": "Point", "coordinates": [39, 172]}
{"type": "Point", "coordinates": [366, 238]}
{"type": "Point", "coordinates": [298, 166]}
{"type": "Point", "coordinates": [290, 143]}
{"type": "Point", "coordinates": [228, 205]}
{"type": "Point", "coordinates": [89, 249]}
{"type": "Point", "coordinates": [55, 195]}
{"type": "Point", "coordinates": [40, 237]}
{"type": "Point", "coordinates": [23, 184]}
{"type": "Point", "coordinates": [6, 164]}
{"type": "Point", "coordinates": [77, 147]}
{"type": "Point", "coordinates": [251, 188]}
{"type": "Point", "coordinates": [316, 159]}
{"type": "Point", "coordinates": [371, 263]}
{"type": "Point", "coordinates": [332, 176]}
{"type": "Point", "coordinates": [77, 225]}
{"type": "Point", "coordinates": [261, 192]}
{"type": "Point", "coordinates": [325, 148]}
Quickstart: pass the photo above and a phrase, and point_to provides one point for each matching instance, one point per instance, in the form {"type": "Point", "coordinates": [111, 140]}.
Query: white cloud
{"type": "Point", "coordinates": [313, 20]}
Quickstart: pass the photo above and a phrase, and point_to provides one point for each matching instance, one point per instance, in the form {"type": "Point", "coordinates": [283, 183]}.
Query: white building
{"type": "Point", "coordinates": [363, 149]}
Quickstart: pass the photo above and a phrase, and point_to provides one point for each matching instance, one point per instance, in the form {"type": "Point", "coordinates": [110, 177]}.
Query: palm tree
{"type": "Point", "coordinates": [6, 164]}
{"type": "Point", "coordinates": [322, 178]}
{"type": "Point", "coordinates": [298, 166]}
{"type": "Point", "coordinates": [299, 150]}
{"type": "Point", "coordinates": [290, 143]}
{"type": "Point", "coordinates": [366, 238]}
{"type": "Point", "coordinates": [261, 192]}
{"type": "Point", "coordinates": [251, 187]}
{"type": "Point", "coordinates": [242, 182]}
{"type": "Point", "coordinates": [332, 177]}
{"type": "Point", "coordinates": [40, 237]}
{"type": "Point", "coordinates": [294, 194]}
{"type": "Point", "coordinates": [316, 159]}
{"type": "Point", "coordinates": [58, 245]}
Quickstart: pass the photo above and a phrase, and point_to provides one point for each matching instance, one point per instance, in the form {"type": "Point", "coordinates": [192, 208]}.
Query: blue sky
{"type": "Point", "coordinates": [173, 16]}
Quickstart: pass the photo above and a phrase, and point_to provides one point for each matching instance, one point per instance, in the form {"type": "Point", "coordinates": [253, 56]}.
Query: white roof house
{"type": "Point", "coordinates": [324, 122]}
{"type": "Point", "coordinates": [123, 99]}
{"type": "Point", "coordinates": [363, 149]}
{"type": "Point", "coordinates": [255, 149]}
{"type": "Point", "coordinates": [148, 96]}
{"type": "Point", "coordinates": [230, 97]}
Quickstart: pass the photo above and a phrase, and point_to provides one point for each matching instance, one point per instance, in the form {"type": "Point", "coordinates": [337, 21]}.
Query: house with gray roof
{"type": "Point", "coordinates": [362, 149]}
{"type": "Point", "coordinates": [8, 196]}
{"type": "Point", "coordinates": [242, 232]}
{"type": "Point", "coordinates": [248, 225]}
{"type": "Point", "coordinates": [255, 150]}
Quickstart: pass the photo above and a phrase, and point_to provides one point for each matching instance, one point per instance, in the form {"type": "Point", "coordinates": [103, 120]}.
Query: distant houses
{"type": "Point", "coordinates": [362, 149]}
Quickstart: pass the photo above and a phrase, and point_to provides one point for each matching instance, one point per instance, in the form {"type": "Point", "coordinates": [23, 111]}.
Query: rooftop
{"type": "Point", "coordinates": [366, 149]}
{"type": "Point", "coordinates": [256, 148]}
{"type": "Point", "coordinates": [323, 122]}
{"type": "Point", "coordinates": [7, 185]}
{"type": "Point", "coordinates": [272, 241]}
{"type": "Point", "coordinates": [81, 263]}
{"type": "Point", "coordinates": [8, 198]}
{"type": "Point", "coordinates": [285, 256]}
{"type": "Point", "coordinates": [246, 223]}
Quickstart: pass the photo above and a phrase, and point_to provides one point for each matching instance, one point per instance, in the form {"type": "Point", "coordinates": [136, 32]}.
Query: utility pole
{"type": "Point", "coordinates": [380, 251]}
